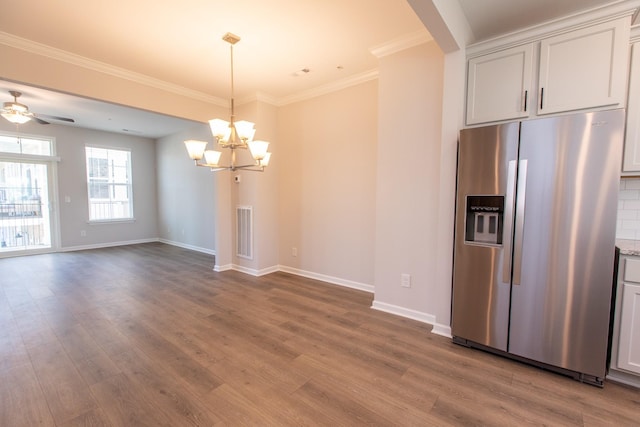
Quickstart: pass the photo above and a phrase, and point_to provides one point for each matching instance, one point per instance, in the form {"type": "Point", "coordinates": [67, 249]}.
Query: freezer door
{"type": "Point", "coordinates": [486, 169]}
{"type": "Point", "coordinates": [564, 245]}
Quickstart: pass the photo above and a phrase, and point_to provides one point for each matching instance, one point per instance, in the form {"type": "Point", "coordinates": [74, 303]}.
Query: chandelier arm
{"type": "Point", "coordinates": [203, 164]}
{"type": "Point", "coordinates": [233, 146]}
{"type": "Point", "coordinates": [215, 168]}
{"type": "Point", "coordinates": [251, 168]}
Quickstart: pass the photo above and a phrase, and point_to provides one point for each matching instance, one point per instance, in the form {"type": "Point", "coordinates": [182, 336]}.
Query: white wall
{"type": "Point", "coordinates": [408, 181]}
{"type": "Point", "coordinates": [327, 170]}
{"type": "Point", "coordinates": [186, 193]}
{"type": "Point", "coordinates": [449, 27]}
{"type": "Point", "coordinates": [72, 182]}
{"type": "Point", "coordinates": [196, 207]}
{"type": "Point", "coordinates": [259, 190]}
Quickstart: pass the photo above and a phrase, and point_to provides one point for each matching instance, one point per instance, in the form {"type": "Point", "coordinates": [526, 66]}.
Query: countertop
{"type": "Point", "coordinates": [628, 247]}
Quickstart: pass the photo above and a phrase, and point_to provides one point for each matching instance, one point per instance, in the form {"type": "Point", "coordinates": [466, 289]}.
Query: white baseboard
{"type": "Point", "coordinates": [623, 378]}
{"type": "Point", "coordinates": [438, 329]}
{"type": "Point", "coordinates": [443, 330]}
{"type": "Point", "coordinates": [106, 245]}
{"type": "Point", "coordinates": [328, 279]}
{"type": "Point", "coordinates": [225, 267]}
{"type": "Point", "coordinates": [186, 246]}
{"type": "Point", "coordinates": [404, 312]}
{"type": "Point", "coordinates": [253, 271]}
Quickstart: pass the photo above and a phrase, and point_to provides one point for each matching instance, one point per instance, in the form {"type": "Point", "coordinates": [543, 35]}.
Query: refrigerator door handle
{"type": "Point", "coordinates": [508, 222]}
{"type": "Point", "coordinates": [519, 231]}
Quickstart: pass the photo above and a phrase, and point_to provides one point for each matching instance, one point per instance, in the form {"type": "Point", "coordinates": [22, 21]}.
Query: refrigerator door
{"type": "Point", "coordinates": [486, 175]}
{"type": "Point", "coordinates": [564, 244]}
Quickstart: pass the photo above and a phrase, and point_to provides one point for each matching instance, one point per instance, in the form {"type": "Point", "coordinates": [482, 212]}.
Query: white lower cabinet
{"type": "Point", "coordinates": [629, 341]}
{"type": "Point", "coordinates": [625, 345]}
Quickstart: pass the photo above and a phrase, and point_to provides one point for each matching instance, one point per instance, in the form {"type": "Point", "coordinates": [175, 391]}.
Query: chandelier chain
{"type": "Point", "coordinates": [232, 86]}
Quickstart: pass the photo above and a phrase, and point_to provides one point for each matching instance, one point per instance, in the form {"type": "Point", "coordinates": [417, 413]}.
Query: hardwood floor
{"type": "Point", "coordinates": [149, 335]}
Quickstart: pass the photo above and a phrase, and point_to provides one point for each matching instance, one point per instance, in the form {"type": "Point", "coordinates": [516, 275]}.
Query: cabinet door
{"type": "Point", "coordinates": [498, 85]}
{"type": "Point", "coordinates": [629, 348]}
{"type": "Point", "coordinates": [632, 141]}
{"type": "Point", "coordinates": [586, 68]}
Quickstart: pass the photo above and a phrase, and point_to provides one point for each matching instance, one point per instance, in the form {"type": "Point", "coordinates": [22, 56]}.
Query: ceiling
{"type": "Point", "coordinates": [490, 18]}
{"type": "Point", "coordinates": [180, 42]}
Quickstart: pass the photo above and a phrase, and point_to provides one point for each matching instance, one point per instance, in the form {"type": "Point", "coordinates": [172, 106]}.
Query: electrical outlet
{"type": "Point", "coordinates": [405, 280]}
{"type": "Point", "coordinates": [294, 252]}
{"type": "Point", "coordinates": [83, 233]}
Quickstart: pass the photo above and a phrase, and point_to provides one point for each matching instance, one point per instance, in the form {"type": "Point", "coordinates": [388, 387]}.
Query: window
{"type": "Point", "coordinates": [109, 184]}
{"type": "Point", "coordinates": [26, 145]}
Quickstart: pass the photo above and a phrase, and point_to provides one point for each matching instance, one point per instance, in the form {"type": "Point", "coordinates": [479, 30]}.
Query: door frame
{"type": "Point", "coordinates": [51, 162]}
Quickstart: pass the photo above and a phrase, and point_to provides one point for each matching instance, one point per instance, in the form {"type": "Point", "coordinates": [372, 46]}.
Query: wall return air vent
{"type": "Point", "coordinates": [244, 232]}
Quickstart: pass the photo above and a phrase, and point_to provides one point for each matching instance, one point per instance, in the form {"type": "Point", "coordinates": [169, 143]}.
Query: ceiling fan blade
{"type": "Point", "coordinates": [64, 119]}
{"type": "Point", "coordinates": [42, 122]}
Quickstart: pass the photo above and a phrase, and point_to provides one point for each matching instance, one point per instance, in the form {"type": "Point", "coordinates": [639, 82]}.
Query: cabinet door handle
{"type": "Point", "coordinates": [541, 97]}
{"type": "Point", "coordinates": [526, 94]}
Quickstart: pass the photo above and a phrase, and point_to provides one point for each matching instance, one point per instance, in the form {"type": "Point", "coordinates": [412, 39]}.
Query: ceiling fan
{"type": "Point", "coordinates": [19, 113]}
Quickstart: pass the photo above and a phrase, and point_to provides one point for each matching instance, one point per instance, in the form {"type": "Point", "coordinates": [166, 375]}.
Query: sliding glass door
{"type": "Point", "coordinates": [25, 214]}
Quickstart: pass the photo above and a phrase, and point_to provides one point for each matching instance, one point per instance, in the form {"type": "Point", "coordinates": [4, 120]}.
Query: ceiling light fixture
{"type": "Point", "coordinates": [14, 111]}
{"type": "Point", "coordinates": [233, 135]}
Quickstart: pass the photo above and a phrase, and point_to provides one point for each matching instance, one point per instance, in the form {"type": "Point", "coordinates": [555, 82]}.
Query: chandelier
{"type": "Point", "coordinates": [232, 135]}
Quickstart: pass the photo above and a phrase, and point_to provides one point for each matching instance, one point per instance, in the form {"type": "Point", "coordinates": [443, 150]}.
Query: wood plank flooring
{"type": "Point", "coordinates": [149, 335]}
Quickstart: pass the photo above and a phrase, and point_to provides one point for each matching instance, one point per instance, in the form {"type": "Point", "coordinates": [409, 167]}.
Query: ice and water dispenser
{"type": "Point", "coordinates": [484, 220]}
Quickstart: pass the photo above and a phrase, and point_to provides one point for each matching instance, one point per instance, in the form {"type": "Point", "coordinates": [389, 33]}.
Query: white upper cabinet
{"type": "Point", "coordinates": [499, 85]}
{"type": "Point", "coordinates": [583, 69]}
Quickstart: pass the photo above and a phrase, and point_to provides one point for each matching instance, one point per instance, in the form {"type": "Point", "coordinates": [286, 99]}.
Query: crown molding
{"type": "Point", "coordinates": [594, 16]}
{"type": "Point", "coordinates": [401, 43]}
{"type": "Point", "coordinates": [311, 93]}
{"type": "Point", "coordinates": [259, 97]}
{"type": "Point", "coordinates": [328, 88]}
{"type": "Point", "coordinates": [635, 34]}
{"type": "Point", "coordinates": [101, 67]}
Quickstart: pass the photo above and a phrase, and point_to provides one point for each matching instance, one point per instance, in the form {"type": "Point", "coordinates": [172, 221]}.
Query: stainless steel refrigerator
{"type": "Point", "coordinates": [535, 240]}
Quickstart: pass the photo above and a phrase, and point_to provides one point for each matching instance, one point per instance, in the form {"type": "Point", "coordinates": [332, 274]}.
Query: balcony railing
{"type": "Point", "coordinates": [21, 220]}
{"type": "Point", "coordinates": [31, 209]}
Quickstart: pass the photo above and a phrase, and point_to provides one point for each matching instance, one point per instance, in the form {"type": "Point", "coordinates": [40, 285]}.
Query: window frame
{"type": "Point", "coordinates": [112, 182]}
{"type": "Point", "coordinates": [21, 155]}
